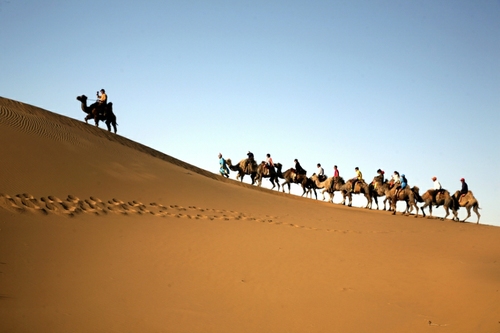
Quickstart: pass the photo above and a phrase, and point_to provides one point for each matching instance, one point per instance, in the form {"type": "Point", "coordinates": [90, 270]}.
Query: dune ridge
{"type": "Point", "coordinates": [99, 233]}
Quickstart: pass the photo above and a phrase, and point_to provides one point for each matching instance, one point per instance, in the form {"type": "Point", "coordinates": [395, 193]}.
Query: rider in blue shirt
{"type": "Point", "coordinates": [224, 170]}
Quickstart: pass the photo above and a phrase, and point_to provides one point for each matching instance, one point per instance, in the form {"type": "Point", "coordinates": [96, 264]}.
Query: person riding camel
{"type": "Point", "coordinates": [321, 173]}
{"type": "Point", "coordinates": [102, 100]}
{"type": "Point", "coordinates": [465, 188]}
{"type": "Point", "coordinates": [269, 164]}
{"type": "Point", "coordinates": [249, 161]}
{"type": "Point", "coordinates": [336, 175]}
{"type": "Point", "coordinates": [403, 182]}
{"type": "Point", "coordinates": [269, 161]}
{"type": "Point", "coordinates": [380, 175]}
{"type": "Point", "coordinates": [395, 180]}
{"type": "Point", "coordinates": [298, 170]}
{"type": "Point", "coordinates": [358, 178]}
{"type": "Point", "coordinates": [437, 188]}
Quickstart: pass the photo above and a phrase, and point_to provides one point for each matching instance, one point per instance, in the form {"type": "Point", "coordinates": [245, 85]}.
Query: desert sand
{"type": "Point", "coordinates": [102, 234]}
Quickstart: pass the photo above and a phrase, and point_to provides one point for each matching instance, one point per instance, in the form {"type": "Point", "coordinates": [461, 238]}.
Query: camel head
{"type": "Point", "coordinates": [228, 162]}
{"type": "Point", "coordinates": [82, 98]}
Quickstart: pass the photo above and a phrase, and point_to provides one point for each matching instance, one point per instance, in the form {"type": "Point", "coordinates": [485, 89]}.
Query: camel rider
{"type": "Point", "coordinates": [465, 188]}
{"type": "Point", "coordinates": [250, 160]}
{"type": "Point", "coordinates": [269, 161]}
{"type": "Point", "coordinates": [437, 185]}
{"type": "Point", "coordinates": [437, 188]}
{"type": "Point", "coordinates": [321, 172]}
{"type": "Point", "coordinates": [358, 178]}
{"type": "Point", "coordinates": [336, 176]}
{"type": "Point", "coordinates": [395, 180]}
{"type": "Point", "coordinates": [224, 170]}
{"type": "Point", "coordinates": [336, 173]}
{"type": "Point", "coordinates": [403, 183]}
{"type": "Point", "coordinates": [380, 175]}
{"type": "Point", "coordinates": [298, 169]}
{"type": "Point", "coordinates": [102, 100]}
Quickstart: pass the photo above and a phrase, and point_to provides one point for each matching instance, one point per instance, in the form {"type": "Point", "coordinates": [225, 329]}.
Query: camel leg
{"type": "Point", "coordinates": [369, 201]}
{"type": "Point", "coordinates": [476, 210]}
{"type": "Point", "coordinates": [468, 213]}
{"type": "Point", "coordinates": [427, 204]}
{"type": "Point", "coordinates": [447, 212]}
{"type": "Point", "coordinates": [416, 209]}
{"type": "Point", "coordinates": [108, 125]}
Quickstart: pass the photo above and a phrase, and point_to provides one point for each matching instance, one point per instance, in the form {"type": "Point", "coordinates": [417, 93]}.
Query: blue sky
{"type": "Point", "coordinates": [397, 85]}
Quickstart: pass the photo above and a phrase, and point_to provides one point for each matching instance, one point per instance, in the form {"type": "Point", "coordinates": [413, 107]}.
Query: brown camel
{"type": "Point", "coordinates": [291, 176]}
{"type": "Point", "coordinates": [409, 195]}
{"type": "Point", "coordinates": [359, 188]}
{"type": "Point", "coordinates": [325, 185]}
{"type": "Point", "coordinates": [330, 185]}
{"type": "Point", "coordinates": [243, 169]}
{"type": "Point", "coordinates": [94, 112]}
{"type": "Point", "coordinates": [442, 198]}
{"type": "Point", "coordinates": [271, 173]}
{"type": "Point", "coordinates": [468, 201]}
{"type": "Point", "coordinates": [378, 188]}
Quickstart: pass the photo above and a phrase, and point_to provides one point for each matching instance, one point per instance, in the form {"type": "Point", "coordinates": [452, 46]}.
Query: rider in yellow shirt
{"type": "Point", "coordinates": [359, 177]}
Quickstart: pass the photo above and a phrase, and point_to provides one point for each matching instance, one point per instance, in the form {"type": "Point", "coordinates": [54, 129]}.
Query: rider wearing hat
{"type": "Point", "coordinates": [437, 188]}
{"type": "Point", "coordinates": [465, 188]}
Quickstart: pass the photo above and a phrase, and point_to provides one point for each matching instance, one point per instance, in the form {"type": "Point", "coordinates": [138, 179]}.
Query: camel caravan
{"type": "Point", "coordinates": [391, 191]}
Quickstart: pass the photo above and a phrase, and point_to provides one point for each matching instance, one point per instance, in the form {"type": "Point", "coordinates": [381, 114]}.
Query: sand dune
{"type": "Point", "coordinates": [102, 234]}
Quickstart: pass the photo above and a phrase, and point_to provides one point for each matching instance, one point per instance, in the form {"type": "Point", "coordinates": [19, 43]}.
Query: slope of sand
{"type": "Point", "coordinates": [102, 234]}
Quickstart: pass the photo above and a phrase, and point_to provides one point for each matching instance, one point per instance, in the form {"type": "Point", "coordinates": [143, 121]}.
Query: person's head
{"type": "Point", "coordinates": [396, 173]}
{"type": "Point", "coordinates": [268, 155]}
{"type": "Point", "coordinates": [102, 91]}
{"type": "Point", "coordinates": [295, 160]}
{"type": "Point", "coordinates": [403, 175]}
{"type": "Point", "coordinates": [462, 180]}
{"type": "Point", "coordinates": [434, 179]}
{"type": "Point", "coordinates": [319, 165]}
{"type": "Point", "coordinates": [220, 155]}
{"type": "Point", "coordinates": [335, 167]}
{"type": "Point", "coordinates": [356, 168]}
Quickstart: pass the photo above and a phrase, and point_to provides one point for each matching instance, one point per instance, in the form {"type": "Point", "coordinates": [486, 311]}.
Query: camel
{"type": "Point", "coordinates": [306, 183]}
{"type": "Point", "coordinates": [272, 174]}
{"type": "Point", "coordinates": [443, 198]}
{"type": "Point", "coordinates": [468, 201]}
{"type": "Point", "coordinates": [409, 195]}
{"type": "Point", "coordinates": [243, 170]}
{"type": "Point", "coordinates": [359, 188]}
{"type": "Point", "coordinates": [378, 188]}
{"type": "Point", "coordinates": [92, 112]}
{"type": "Point", "coordinates": [325, 185]}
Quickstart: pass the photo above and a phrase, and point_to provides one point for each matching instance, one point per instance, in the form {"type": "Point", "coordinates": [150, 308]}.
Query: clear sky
{"type": "Point", "coordinates": [412, 86]}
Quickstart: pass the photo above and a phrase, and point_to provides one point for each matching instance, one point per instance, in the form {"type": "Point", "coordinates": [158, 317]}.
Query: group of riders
{"type": "Point", "coordinates": [397, 181]}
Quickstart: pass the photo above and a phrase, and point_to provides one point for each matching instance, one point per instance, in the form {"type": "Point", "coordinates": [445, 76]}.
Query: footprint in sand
{"type": "Point", "coordinates": [73, 206]}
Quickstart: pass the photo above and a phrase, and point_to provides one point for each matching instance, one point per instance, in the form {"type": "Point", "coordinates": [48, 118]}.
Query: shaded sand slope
{"type": "Point", "coordinates": [102, 234]}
